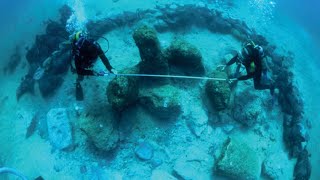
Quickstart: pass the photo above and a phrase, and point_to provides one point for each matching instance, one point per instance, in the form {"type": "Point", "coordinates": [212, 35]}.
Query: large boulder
{"type": "Point", "coordinates": [49, 84]}
{"type": "Point", "coordinates": [101, 131]}
{"type": "Point", "coordinates": [163, 101]}
{"type": "Point", "coordinates": [238, 161]}
{"type": "Point", "coordinates": [275, 166]}
{"type": "Point", "coordinates": [248, 107]}
{"type": "Point", "coordinates": [218, 92]}
{"type": "Point", "coordinates": [123, 91]}
{"type": "Point", "coordinates": [185, 56]}
{"type": "Point", "coordinates": [295, 134]}
{"type": "Point", "coordinates": [152, 61]}
{"type": "Point", "coordinates": [59, 129]}
{"type": "Point", "coordinates": [302, 169]}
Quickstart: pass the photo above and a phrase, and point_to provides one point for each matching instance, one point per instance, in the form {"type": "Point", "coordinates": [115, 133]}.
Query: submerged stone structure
{"type": "Point", "coordinates": [218, 92]}
{"type": "Point", "coordinates": [123, 91]}
{"type": "Point", "coordinates": [162, 101]}
{"type": "Point", "coordinates": [152, 59]}
{"type": "Point", "coordinates": [185, 56]}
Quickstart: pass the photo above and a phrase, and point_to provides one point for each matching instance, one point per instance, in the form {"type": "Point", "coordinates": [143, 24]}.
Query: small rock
{"type": "Point", "coordinates": [144, 151]}
{"type": "Point", "coordinates": [161, 175]}
{"type": "Point", "coordinates": [59, 128]}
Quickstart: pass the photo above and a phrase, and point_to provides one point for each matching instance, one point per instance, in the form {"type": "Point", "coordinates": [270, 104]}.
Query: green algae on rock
{"type": "Point", "coordinates": [123, 91]}
{"type": "Point", "coordinates": [218, 92]}
{"type": "Point", "coordinates": [238, 161]}
{"type": "Point", "coordinates": [152, 60]}
{"type": "Point", "coordinates": [101, 132]}
{"type": "Point", "coordinates": [184, 55]}
{"type": "Point", "coordinates": [163, 101]}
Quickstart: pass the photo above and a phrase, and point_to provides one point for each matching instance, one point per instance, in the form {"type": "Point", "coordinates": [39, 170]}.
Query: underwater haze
{"type": "Point", "coordinates": [160, 90]}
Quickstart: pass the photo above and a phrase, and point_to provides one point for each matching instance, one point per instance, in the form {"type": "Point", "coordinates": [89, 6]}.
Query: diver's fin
{"type": "Point", "coordinates": [39, 73]}
{"type": "Point", "coordinates": [79, 92]}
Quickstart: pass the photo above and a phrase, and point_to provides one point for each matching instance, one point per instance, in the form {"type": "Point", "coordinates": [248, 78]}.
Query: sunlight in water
{"type": "Point", "coordinates": [263, 7]}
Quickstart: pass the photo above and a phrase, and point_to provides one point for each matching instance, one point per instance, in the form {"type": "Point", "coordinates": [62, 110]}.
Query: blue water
{"type": "Point", "coordinates": [174, 148]}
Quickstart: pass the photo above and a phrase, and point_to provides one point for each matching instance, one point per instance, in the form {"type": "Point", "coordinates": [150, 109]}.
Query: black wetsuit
{"type": "Point", "coordinates": [86, 51]}
{"type": "Point", "coordinates": [255, 73]}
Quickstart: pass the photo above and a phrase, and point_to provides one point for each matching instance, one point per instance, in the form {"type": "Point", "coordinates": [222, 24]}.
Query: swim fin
{"type": "Point", "coordinates": [79, 92]}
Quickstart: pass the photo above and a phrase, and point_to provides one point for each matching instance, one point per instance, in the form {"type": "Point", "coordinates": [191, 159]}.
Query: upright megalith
{"type": "Point", "coordinates": [218, 92]}
{"type": "Point", "coordinates": [123, 91]}
{"type": "Point", "coordinates": [184, 56]}
{"type": "Point", "coordinates": [152, 60]}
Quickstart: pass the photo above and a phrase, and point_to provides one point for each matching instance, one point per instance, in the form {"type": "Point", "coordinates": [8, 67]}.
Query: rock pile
{"type": "Point", "coordinates": [43, 48]}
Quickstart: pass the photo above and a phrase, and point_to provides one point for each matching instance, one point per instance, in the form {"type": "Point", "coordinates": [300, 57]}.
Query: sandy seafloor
{"type": "Point", "coordinates": [34, 156]}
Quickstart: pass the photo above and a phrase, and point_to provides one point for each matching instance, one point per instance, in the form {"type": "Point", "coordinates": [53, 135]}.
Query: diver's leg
{"type": "Point", "coordinates": [259, 86]}
{"type": "Point", "coordinates": [79, 91]}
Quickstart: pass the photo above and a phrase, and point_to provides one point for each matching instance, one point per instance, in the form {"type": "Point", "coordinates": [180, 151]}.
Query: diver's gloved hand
{"type": "Point", "coordinates": [232, 80]}
{"type": "Point", "coordinates": [100, 73]}
{"type": "Point", "coordinates": [113, 71]}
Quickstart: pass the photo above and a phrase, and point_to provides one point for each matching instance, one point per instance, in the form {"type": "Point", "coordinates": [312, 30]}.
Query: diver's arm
{"type": "Point", "coordinates": [233, 60]}
{"type": "Point", "coordinates": [104, 58]}
{"type": "Point", "coordinates": [106, 62]}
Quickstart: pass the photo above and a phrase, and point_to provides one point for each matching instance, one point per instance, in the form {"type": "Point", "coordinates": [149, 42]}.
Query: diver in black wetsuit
{"type": "Point", "coordinates": [252, 57]}
{"type": "Point", "coordinates": [85, 52]}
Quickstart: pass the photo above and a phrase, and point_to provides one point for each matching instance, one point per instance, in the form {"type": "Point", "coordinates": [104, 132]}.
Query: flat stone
{"type": "Point", "coordinates": [59, 128]}
{"type": "Point", "coordinates": [161, 175]}
{"type": "Point", "coordinates": [195, 164]}
{"type": "Point", "coordinates": [238, 161]}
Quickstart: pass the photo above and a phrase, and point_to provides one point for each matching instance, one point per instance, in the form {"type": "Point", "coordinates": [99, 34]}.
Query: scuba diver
{"type": "Point", "coordinates": [253, 59]}
{"type": "Point", "coordinates": [85, 52]}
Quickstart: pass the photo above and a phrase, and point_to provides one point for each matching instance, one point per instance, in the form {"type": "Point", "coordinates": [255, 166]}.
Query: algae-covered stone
{"type": "Point", "coordinates": [238, 161]}
{"type": "Point", "coordinates": [101, 131]}
{"type": "Point", "coordinates": [185, 56]}
{"type": "Point", "coordinates": [162, 101]}
{"type": "Point", "coordinates": [123, 91]}
{"type": "Point", "coordinates": [218, 92]}
{"type": "Point", "coordinates": [150, 51]}
{"type": "Point", "coordinates": [248, 107]}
